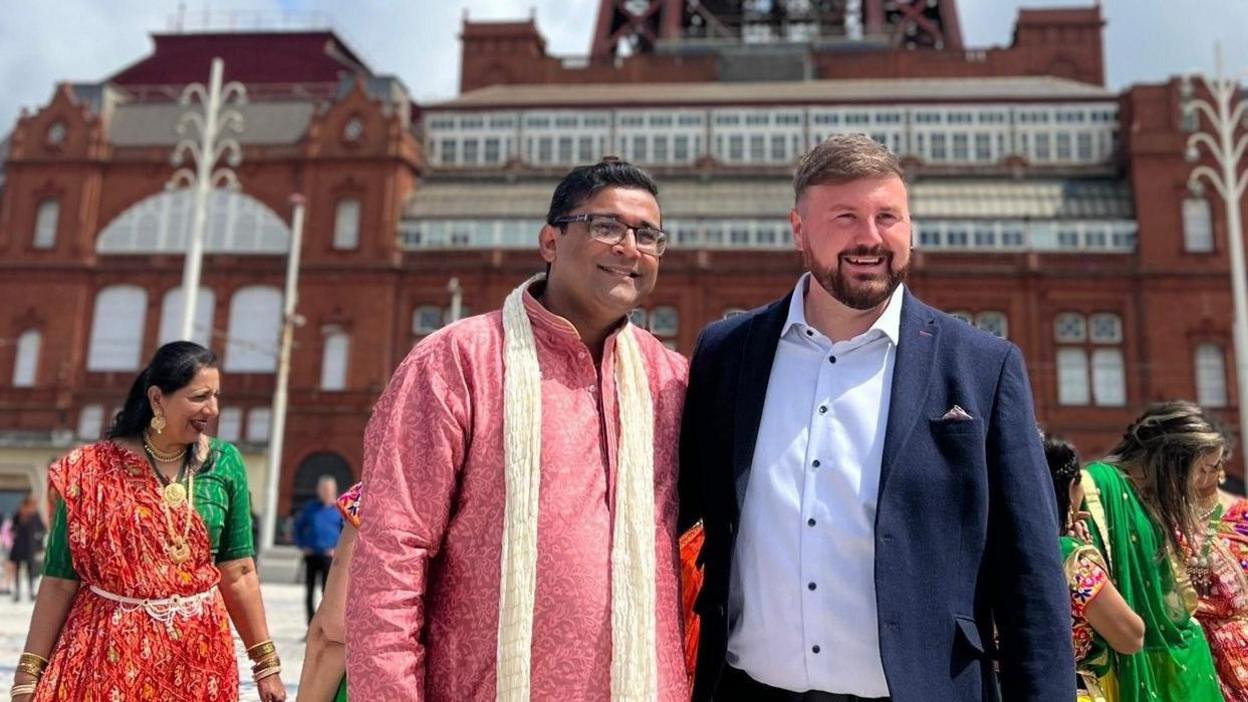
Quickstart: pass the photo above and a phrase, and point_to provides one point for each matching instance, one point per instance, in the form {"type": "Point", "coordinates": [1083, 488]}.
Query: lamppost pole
{"type": "Point", "coordinates": [457, 299]}
{"type": "Point", "coordinates": [211, 120]}
{"type": "Point", "coordinates": [290, 319]}
{"type": "Point", "coordinates": [1227, 146]}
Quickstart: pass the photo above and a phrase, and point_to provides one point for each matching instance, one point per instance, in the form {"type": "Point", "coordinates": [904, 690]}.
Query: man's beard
{"type": "Point", "coordinates": [858, 294]}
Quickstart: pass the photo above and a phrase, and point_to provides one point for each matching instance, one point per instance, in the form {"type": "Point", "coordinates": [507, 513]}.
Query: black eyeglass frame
{"type": "Point", "coordinates": [588, 218]}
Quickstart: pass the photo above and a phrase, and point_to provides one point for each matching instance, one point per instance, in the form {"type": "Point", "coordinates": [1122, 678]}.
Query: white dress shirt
{"type": "Point", "coordinates": [802, 609]}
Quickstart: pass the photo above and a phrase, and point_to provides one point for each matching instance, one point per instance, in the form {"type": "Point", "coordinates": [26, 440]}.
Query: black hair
{"type": "Point", "coordinates": [172, 368]}
{"type": "Point", "coordinates": [583, 182]}
{"type": "Point", "coordinates": [1063, 463]}
{"type": "Point", "coordinates": [1158, 451]}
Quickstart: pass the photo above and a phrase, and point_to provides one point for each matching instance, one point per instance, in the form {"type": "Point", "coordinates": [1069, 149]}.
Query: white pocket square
{"type": "Point", "coordinates": [957, 413]}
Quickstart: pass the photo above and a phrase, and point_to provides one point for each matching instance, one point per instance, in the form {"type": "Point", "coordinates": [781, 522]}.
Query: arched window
{"type": "Point", "coordinates": [347, 224]}
{"type": "Point", "coordinates": [255, 320]}
{"type": "Point", "coordinates": [664, 321]}
{"type": "Point", "coordinates": [26, 369]}
{"type": "Point", "coordinates": [117, 329]}
{"type": "Point", "coordinates": [46, 220]}
{"type": "Point", "coordinates": [171, 317]}
{"type": "Point", "coordinates": [1211, 376]}
{"type": "Point", "coordinates": [237, 223]}
{"type": "Point", "coordinates": [427, 319]}
{"type": "Point", "coordinates": [310, 471]}
{"type": "Point", "coordinates": [259, 423]}
{"type": "Point", "coordinates": [1197, 225]}
{"type": "Point", "coordinates": [334, 359]}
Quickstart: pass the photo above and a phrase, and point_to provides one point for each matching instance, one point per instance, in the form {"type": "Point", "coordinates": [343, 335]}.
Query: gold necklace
{"type": "Point", "coordinates": [176, 545]}
{"type": "Point", "coordinates": [162, 456]}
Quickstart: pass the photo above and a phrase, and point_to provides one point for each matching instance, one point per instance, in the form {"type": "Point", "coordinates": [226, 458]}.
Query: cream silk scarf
{"type": "Point", "coordinates": [634, 668]}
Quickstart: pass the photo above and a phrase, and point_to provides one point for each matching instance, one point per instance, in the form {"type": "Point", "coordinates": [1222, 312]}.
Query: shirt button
{"type": "Point", "coordinates": [810, 586]}
{"type": "Point", "coordinates": [809, 333]}
{"type": "Point", "coordinates": [815, 648]}
{"type": "Point", "coordinates": [815, 463]}
{"type": "Point", "coordinates": [810, 522]}
{"type": "Point", "coordinates": [823, 409]}
{"type": "Point", "coordinates": [831, 359]}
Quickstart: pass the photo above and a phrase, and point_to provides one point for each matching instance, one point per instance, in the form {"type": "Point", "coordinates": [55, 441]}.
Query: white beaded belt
{"type": "Point", "coordinates": [162, 610]}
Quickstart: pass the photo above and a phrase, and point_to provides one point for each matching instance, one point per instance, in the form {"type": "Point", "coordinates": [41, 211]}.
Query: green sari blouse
{"type": "Point", "coordinates": [222, 500]}
{"type": "Point", "coordinates": [1175, 663]}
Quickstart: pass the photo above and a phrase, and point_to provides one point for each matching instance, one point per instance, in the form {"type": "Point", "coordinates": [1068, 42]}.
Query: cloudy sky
{"type": "Point", "coordinates": [85, 40]}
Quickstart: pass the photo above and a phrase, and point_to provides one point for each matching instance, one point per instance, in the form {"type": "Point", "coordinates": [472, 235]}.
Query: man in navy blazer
{"type": "Point", "coordinates": [879, 518]}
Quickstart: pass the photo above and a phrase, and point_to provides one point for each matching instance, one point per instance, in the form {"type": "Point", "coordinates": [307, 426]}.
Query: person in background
{"type": "Point", "coordinates": [316, 534]}
{"type": "Point", "coordinates": [1103, 623]}
{"type": "Point", "coordinates": [6, 545]}
{"type": "Point", "coordinates": [1220, 549]}
{"type": "Point", "coordinates": [325, 659]}
{"type": "Point", "coordinates": [28, 532]}
{"type": "Point", "coordinates": [1141, 499]}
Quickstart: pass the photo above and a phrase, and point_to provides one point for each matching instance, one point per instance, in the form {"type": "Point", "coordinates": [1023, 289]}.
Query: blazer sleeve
{"type": "Point", "coordinates": [1028, 592]}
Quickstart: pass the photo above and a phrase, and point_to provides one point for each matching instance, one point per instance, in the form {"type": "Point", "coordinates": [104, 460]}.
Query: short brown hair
{"type": "Point", "coordinates": [844, 158]}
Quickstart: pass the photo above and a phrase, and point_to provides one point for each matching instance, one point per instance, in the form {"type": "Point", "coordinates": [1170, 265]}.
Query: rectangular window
{"type": "Point", "coordinates": [447, 152]}
{"type": "Point", "coordinates": [258, 421]}
{"type": "Point", "coordinates": [566, 154]}
{"type": "Point", "coordinates": [777, 148]}
{"type": "Point", "coordinates": [1210, 376]}
{"type": "Point", "coordinates": [230, 424]}
{"type": "Point", "coordinates": [961, 147]}
{"type": "Point", "coordinates": [471, 147]}
{"type": "Point", "coordinates": [1083, 144]}
{"type": "Point", "coordinates": [983, 147]}
{"type": "Point", "coordinates": [639, 148]}
{"type": "Point", "coordinates": [758, 146]}
{"type": "Point", "coordinates": [45, 224]}
{"type": "Point", "coordinates": [347, 224]}
{"type": "Point", "coordinates": [680, 148]}
{"type": "Point", "coordinates": [545, 150]}
{"type": "Point", "coordinates": [1043, 152]}
{"type": "Point", "coordinates": [985, 238]}
{"type": "Point", "coordinates": [1197, 225]}
{"type": "Point", "coordinates": [1064, 151]}
{"type": "Point", "coordinates": [660, 149]}
{"type": "Point", "coordinates": [492, 152]}
{"type": "Point", "coordinates": [736, 148]}
{"type": "Point", "coordinates": [1072, 377]}
{"type": "Point", "coordinates": [1109, 381]}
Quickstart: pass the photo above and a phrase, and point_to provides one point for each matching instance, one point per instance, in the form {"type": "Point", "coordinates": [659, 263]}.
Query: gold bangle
{"type": "Point", "coordinates": [265, 648]}
{"type": "Point", "coordinates": [28, 689]}
{"type": "Point", "coordinates": [36, 656]}
{"type": "Point", "coordinates": [34, 671]}
{"type": "Point", "coordinates": [267, 672]}
{"type": "Point", "coordinates": [266, 663]}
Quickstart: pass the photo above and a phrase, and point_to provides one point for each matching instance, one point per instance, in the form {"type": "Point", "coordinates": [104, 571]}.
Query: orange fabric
{"type": "Point", "coordinates": [117, 536]}
{"type": "Point", "coordinates": [691, 575]}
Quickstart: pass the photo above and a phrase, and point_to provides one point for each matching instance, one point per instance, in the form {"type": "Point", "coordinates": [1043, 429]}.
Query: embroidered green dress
{"type": "Point", "coordinates": [1175, 663]}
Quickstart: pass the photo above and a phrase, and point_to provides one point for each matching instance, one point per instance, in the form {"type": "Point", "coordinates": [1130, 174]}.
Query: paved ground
{"type": "Point", "coordinates": [283, 603]}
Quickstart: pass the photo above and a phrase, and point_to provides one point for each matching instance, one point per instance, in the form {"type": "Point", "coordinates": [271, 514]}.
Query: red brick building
{"type": "Point", "coordinates": [1048, 209]}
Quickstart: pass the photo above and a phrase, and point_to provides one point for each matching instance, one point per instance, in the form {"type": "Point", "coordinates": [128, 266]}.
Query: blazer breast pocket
{"type": "Point", "coordinates": [959, 441]}
{"type": "Point", "coordinates": [942, 426]}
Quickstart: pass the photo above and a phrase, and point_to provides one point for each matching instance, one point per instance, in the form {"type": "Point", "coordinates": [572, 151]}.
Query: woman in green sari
{"type": "Point", "coordinates": [1141, 502]}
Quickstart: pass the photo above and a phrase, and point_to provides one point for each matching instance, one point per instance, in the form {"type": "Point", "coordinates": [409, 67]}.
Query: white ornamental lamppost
{"type": "Point", "coordinates": [1221, 136]}
{"type": "Point", "coordinates": [206, 130]}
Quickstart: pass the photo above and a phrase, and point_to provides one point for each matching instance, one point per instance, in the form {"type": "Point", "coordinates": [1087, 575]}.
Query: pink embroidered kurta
{"type": "Point", "coordinates": [424, 593]}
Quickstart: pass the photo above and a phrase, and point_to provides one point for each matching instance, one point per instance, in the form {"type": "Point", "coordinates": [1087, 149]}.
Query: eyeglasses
{"type": "Point", "coordinates": [610, 230]}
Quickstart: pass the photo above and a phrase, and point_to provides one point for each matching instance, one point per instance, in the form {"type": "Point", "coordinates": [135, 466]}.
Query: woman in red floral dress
{"type": "Point", "coordinates": [150, 556]}
{"type": "Point", "coordinates": [1219, 568]}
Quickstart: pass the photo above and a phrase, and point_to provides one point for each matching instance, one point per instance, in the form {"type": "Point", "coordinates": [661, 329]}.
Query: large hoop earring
{"type": "Point", "coordinates": [157, 424]}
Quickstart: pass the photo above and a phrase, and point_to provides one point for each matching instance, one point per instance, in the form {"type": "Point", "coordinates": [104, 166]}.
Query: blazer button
{"type": "Point", "coordinates": [719, 611]}
{"type": "Point", "coordinates": [730, 527]}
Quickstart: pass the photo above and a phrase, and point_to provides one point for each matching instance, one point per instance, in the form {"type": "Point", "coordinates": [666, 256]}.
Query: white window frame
{"type": "Point", "coordinates": [171, 316]}
{"type": "Point", "coordinates": [230, 424]}
{"type": "Point", "coordinates": [117, 326]}
{"type": "Point", "coordinates": [1197, 225]}
{"type": "Point", "coordinates": [664, 321]}
{"type": "Point", "coordinates": [255, 321]}
{"type": "Point", "coordinates": [26, 364]}
{"type": "Point", "coordinates": [347, 224]}
{"type": "Point", "coordinates": [1211, 382]}
{"type": "Point", "coordinates": [47, 218]}
{"type": "Point", "coordinates": [1109, 377]}
{"type": "Point", "coordinates": [1073, 389]}
{"type": "Point", "coordinates": [259, 425]}
{"type": "Point", "coordinates": [91, 422]}
{"type": "Point", "coordinates": [335, 359]}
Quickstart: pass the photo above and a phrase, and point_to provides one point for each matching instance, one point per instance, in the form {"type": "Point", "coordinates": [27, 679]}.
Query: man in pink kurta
{"type": "Point", "coordinates": [423, 611]}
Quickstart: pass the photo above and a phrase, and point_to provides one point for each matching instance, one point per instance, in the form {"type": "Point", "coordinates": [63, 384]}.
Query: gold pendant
{"type": "Point", "coordinates": [179, 552]}
{"type": "Point", "coordinates": [174, 494]}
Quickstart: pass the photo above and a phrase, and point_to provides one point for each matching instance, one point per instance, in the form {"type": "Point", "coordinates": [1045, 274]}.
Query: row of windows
{"type": "Point", "coordinates": [1118, 236]}
{"type": "Point", "coordinates": [1049, 135]}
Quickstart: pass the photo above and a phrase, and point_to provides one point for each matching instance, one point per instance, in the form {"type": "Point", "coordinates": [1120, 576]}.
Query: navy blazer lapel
{"type": "Point", "coordinates": [757, 354]}
{"type": "Point", "coordinates": [918, 339]}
